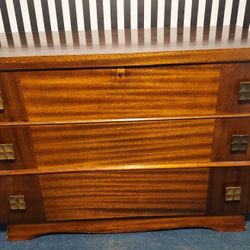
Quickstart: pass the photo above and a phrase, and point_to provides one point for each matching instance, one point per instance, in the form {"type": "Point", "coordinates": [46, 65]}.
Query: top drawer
{"type": "Point", "coordinates": [91, 94]}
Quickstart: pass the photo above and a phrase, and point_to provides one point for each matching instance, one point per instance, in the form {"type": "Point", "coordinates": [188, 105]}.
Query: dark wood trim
{"type": "Point", "coordinates": [30, 188]}
{"type": "Point", "coordinates": [219, 179]}
{"type": "Point", "coordinates": [218, 223]}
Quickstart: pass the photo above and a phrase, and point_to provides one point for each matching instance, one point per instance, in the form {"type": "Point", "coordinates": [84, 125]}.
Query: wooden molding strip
{"type": "Point", "coordinates": [218, 223]}
{"type": "Point", "coordinates": [84, 167]}
{"type": "Point", "coordinates": [124, 59]}
{"type": "Point", "coordinates": [156, 119]}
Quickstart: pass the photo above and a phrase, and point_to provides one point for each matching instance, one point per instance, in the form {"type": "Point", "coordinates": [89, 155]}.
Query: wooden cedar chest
{"type": "Point", "coordinates": [100, 141]}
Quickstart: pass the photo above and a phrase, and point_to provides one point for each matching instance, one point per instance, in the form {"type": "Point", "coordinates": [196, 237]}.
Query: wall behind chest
{"type": "Point", "coordinates": [66, 15]}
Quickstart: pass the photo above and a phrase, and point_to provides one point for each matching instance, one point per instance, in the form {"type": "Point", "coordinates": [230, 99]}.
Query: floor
{"type": "Point", "coordinates": [184, 239]}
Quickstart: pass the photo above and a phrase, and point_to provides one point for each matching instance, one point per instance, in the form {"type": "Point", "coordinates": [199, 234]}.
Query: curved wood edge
{"type": "Point", "coordinates": [218, 223]}
{"type": "Point", "coordinates": [125, 59]}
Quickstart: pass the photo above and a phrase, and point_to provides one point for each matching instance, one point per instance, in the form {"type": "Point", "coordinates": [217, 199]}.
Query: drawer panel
{"type": "Point", "coordinates": [145, 92]}
{"type": "Point", "coordinates": [124, 194]}
{"type": "Point", "coordinates": [124, 144]}
{"type": "Point", "coordinates": [131, 143]}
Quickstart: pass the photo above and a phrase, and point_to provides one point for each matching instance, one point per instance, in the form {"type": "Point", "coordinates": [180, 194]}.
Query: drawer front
{"type": "Point", "coordinates": [111, 93]}
{"type": "Point", "coordinates": [109, 144]}
{"type": "Point", "coordinates": [132, 143]}
{"type": "Point", "coordinates": [124, 194]}
{"type": "Point", "coordinates": [125, 144]}
{"type": "Point", "coordinates": [103, 194]}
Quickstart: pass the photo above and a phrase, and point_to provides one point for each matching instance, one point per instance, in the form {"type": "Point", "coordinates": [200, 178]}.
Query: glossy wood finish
{"type": "Point", "coordinates": [222, 48]}
{"type": "Point", "coordinates": [219, 179]}
{"type": "Point", "coordinates": [94, 94]}
{"type": "Point", "coordinates": [129, 143]}
{"type": "Point", "coordinates": [218, 223]}
{"type": "Point", "coordinates": [13, 102]}
{"type": "Point", "coordinates": [224, 129]}
{"type": "Point", "coordinates": [21, 139]}
{"type": "Point", "coordinates": [113, 194]}
{"type": "Point", "coordinates": [28, 186]}
{"type": "Point", "coordinates": [231, 76]}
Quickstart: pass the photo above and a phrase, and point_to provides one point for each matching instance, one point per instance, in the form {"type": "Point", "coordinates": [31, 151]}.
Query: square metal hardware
{"type": "Point", "coordinates": [233, 193]}
{"type": "Point", "coordinates": [239, 143]}
{"type": "Point", "coordinates": [1, 102]}
{"type": "Point", "coordinates": [17, 202]}
{"type": "Point", "coordinates": [7, 152]}
{"type": "Point", "coordinates": [244, 92]}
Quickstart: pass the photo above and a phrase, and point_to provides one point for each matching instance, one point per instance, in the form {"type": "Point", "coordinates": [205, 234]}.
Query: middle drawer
{"type": "Point", "coordinates": [126, 143]}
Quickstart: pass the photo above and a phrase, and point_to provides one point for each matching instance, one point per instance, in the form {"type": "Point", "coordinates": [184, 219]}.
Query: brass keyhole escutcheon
{"type": "Point", "coordinates": [120, 72]}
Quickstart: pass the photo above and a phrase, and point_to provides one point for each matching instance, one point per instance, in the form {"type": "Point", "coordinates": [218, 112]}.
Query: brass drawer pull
{"type": "Point", "coordinates": [120, 72]}
{"type": "Point", "coordinates": [17, 202]}
{"type": "Point", "coordinates": [1, 103]}
{"type": "Point", "coordinates": [244, 92]}
{"type": "Point", "coordinates": [239, 144]}
{"type": "Point", "coordinates": [7, 152]}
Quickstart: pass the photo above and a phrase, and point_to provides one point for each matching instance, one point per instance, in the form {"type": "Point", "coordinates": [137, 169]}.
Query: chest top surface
{"type": "Point", "coordinates": [123, 48]}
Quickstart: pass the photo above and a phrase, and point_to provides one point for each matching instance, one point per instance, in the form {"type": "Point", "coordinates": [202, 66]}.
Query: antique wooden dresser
{"type": "Point", "coordinates": [124, 138]}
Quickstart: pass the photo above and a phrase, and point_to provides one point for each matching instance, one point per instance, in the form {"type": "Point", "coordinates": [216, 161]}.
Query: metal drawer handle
{"type": "Point", "coordinates": [244, 92]}
{"type": "Point", "coordinates": [1, 102]}
{"type": "Point", "coordinates": [7, 152]}
{"type": "Point", "coordinates": [239, 143]}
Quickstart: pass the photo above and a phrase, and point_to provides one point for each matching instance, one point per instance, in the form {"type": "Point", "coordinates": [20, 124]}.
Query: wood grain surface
{"type": "Point", "coordinates": [231, 76]}
{"type": "Point", "coordinates": [28, 186]}
{"type": "Point", "coordinates": [128, 143]}
{"type": "Point", "coordinates": [124, 194]}
{"type": "Point", "coordinates": [224, 129]}
{"type": "Point", "coordinates": [219, 179]}
{"type": "Point", "coordinates": [218, 223]}
{"type": "Point", "coordinates": [94, 94]}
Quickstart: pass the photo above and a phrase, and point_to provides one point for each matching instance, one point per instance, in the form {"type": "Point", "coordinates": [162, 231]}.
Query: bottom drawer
{"type": "Point", "coordinates": [106, 194]}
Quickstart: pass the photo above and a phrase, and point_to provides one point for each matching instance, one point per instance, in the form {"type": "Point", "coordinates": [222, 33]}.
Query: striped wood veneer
{"type": "Point", "coordinates": [124, 194]}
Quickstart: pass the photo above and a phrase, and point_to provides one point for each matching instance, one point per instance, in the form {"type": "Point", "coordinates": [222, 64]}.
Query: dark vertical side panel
{"type": "Point", "coordinates": [219, 179]}
{"type": "Point", "coordinates": [140, 14]}
{"type": "Point", "coordinates": [208, 10]}
{"type": "Point", "coordinates": [6, 23]}
{"type": "Point", "coordinates": [154, 8]}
